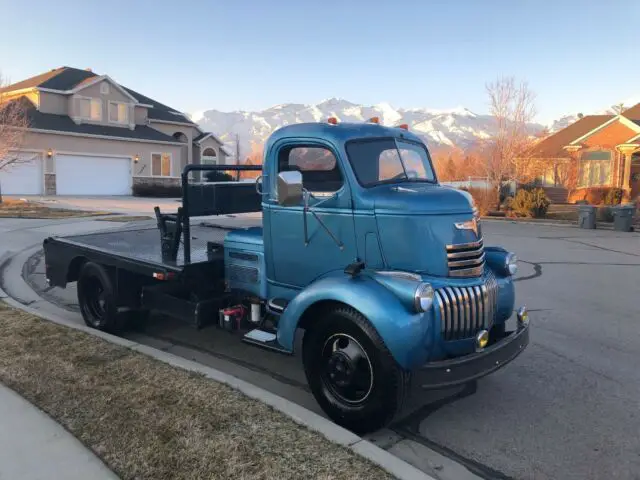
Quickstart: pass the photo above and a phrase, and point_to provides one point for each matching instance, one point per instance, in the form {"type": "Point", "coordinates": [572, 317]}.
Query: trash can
{"type": "Point", "coordinates": [587, 216]}
{"type": "Point", "coordinates": [623, 217]}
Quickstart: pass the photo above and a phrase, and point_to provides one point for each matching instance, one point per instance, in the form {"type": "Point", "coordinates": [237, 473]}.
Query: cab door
{"type": "Point", "coordinates": [297, 259]}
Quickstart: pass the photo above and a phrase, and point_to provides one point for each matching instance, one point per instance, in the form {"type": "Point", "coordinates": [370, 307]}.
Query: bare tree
{"type": "Point", "coordinates": [618, 108]}
{"type": "Point", "coordinates": [237, 155]}
{"type": "Point", "coordinates": [512, 106]}
{"type": "Point", "coordinates": [13, 123]}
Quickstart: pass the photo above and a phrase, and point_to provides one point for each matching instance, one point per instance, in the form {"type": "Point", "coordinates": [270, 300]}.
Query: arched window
{"type": "Point", "coordinates": [209, 156]}
{"type": "Point", "coordinates": [181, 137]}
{"type": "Point", "coordinates": [595, 168]}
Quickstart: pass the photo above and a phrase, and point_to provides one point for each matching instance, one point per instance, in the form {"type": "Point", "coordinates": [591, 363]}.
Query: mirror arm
{"type": "Point", "coordinates": [306, 195]}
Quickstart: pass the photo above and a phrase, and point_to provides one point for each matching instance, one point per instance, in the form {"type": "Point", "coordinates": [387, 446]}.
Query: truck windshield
{"type": "Point", "coordinates": [389, 161]}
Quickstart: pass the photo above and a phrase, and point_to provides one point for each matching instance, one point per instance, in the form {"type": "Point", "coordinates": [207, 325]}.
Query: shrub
{"type": "Point", "coordinates": [158, 190]}
{"type": "Point", "coordinates": [597, 196]}
{"type": "Point", "coordinates": [505, 193]}
{"type": "Point", "coordinates": [530, 203]}
{"type": "Point", "coordinates": [484, 198]}
{"type": "Point", "coordinates": [614, 196]}
{"type": "Point", "coordinates": [219, 176]}
{"type": "Point", "coordinates": [605, 214]}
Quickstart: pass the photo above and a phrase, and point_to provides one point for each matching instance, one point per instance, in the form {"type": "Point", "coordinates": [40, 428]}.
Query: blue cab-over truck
{"type": "Point", "coordinates": [384, 269]}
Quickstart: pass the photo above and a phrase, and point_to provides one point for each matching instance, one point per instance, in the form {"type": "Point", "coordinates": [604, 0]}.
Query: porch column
{"type": "Point", "coordinates": [627, 151]}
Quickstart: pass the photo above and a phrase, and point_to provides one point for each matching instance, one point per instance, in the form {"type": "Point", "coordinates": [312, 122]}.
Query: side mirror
{"type": "Point", "coordinates": [289, 189]}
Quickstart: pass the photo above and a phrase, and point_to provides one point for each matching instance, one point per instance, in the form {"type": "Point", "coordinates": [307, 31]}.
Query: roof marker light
{"type": "Point", "coordinates": [404, 126]}
{"type": "Point", "coordinates": [332, 121]}
{"type": "Point", "coordinates": [374, 120]}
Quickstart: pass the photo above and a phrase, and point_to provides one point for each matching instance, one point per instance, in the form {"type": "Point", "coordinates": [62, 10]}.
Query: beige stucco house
{"type": "Point", "coordinates": [89, 135]}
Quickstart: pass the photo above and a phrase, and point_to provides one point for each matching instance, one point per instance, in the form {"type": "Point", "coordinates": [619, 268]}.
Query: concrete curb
{"type": "Point", "coordinates": [392, 464]}
{"type": "Point", "coordinates": [558, 223]}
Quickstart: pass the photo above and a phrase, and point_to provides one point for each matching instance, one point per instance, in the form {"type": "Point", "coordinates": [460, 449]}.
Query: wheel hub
{"type": "Point", "coordinates": [341, 369]}
{"type": "Point", "coordinates": [348, 372]}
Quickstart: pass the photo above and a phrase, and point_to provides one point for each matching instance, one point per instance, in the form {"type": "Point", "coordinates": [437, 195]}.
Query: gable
{"type": "Point", "coordinates": [611, 135]}
{"type": "Point", "coordinates": [94, 90]}
{"type": "Point", "coordinates": [93, 85]}
{"type": "Point", "coordinates": [209, 142]}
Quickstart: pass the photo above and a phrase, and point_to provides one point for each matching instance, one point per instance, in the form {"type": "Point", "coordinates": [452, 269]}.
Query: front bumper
{"type": "Point", "coordinates": [456, 371]}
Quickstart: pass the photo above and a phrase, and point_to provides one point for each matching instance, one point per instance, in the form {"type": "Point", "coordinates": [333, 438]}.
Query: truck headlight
{"type": "Point", "coordinates": [424, 297]}
{"type": "Point", "coordinates": [511, 264]}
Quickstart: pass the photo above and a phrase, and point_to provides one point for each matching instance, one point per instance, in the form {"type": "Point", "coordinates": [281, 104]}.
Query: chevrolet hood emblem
{"type": "Point", "coordinates": [468, 225]}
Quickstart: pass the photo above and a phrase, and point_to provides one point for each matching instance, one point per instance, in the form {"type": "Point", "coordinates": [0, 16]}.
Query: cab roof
{"type": "Point", "coordinates": [340, 133]}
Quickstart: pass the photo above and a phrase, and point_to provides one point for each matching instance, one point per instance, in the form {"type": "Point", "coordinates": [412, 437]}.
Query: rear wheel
{"type": "Point", "coordinates": [97, 299]}
{"type": "Point", "coordinates": [351, 372]}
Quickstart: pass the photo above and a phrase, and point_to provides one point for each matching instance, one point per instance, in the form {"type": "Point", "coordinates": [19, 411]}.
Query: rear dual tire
{"type": "Point", "coordinates": [351, 373]}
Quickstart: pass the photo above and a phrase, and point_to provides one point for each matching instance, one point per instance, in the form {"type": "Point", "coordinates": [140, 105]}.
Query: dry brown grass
{"type": "Point", "coordinates": [149, 420]}
{"type": "Point", "coordinates": [26, 209]}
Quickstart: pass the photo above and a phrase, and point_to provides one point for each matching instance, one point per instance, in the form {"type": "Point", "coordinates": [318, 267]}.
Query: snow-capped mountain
{"type": "Point", "coordinates": [458, 127]}
{"type": "Point", "coordinates": [566, 120]}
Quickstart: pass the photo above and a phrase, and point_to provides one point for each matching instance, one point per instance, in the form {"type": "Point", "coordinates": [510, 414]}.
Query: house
{"type": "Point", "coordinates": [89, 135]}
{"type": "Point", "coordinates": [594, 151]}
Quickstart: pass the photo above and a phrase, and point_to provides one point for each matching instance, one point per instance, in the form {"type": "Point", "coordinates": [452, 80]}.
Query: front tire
{"type": "Point", "coordinates": [97, 299]}
{"type": "Point", "coordinates": [351, 373]}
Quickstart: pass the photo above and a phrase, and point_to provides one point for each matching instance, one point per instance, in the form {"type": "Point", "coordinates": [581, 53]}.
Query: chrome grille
{"type": "Point", "coordinates": [466, 259]}
{"type": "Point", "coordinates": [466, 310]}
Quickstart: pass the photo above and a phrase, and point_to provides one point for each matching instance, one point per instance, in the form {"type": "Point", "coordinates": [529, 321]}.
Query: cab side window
{"type": "Point", "coordinates": [318, 166]}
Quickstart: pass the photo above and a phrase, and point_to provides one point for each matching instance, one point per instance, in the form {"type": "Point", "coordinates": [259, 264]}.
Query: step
{"type": "Point", "coordinates": [265, 339]}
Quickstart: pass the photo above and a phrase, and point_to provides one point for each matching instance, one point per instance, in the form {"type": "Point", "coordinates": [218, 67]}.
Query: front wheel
{"type": "Point", "coordinates": [351, 373]}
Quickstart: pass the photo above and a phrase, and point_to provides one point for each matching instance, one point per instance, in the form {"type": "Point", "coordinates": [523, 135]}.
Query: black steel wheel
{"type": "Point", "coordinates": [351, 372]}
{"type": "Point", "coordinates": [97, 299]}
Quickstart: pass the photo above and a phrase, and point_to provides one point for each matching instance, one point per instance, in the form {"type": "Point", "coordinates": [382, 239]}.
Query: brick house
{"type": "Point", "coordinates": [600, 150]}
{"type": "Point", "coordinates": [89, 135]}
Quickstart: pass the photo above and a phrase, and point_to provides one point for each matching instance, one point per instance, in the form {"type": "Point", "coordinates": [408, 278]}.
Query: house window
{"type": "Point", "coordinates": [90, 108]}
{"type": "Point", "coordinates": [209, 157]}
{"type": "Point", "coordinates": [118, 112]}
{"type": "Point", "coordinates": [104, 88]}
{"type": "Point", "coordinates": [161, 164]}
{"type": "Point", "coordinates": [595, 168]}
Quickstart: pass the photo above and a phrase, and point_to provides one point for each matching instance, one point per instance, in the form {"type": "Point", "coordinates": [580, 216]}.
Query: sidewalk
{"type": "Point", "coordinates": [34, 447]}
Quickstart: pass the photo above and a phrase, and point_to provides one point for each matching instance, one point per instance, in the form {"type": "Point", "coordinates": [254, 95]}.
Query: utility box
{"type": "Point", "coordinates": [623, 218]}
{"type": "Point", "coordinates": [587, 217]}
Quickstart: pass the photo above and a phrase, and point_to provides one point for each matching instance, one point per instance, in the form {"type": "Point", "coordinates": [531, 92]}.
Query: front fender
{"type": "Point", "coordinates": [407, 335]}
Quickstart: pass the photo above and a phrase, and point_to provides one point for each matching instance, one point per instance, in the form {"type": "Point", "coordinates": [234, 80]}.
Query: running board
{"type": "Point", "coordinates": [266, 340]}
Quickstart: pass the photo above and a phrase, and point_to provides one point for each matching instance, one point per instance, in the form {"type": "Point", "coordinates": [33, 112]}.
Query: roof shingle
{"type": "Point", "coordinates": [632, 113]}
{"type": "Point", "coordinates": [67, 78]}
{"type": "Point", "coordinates": [63, 123]}
{"type": "Point", "coordinates": [551, 147]}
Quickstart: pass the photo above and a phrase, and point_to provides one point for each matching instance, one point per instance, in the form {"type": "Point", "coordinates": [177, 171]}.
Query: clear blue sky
{"type": "Point", "coordinates": [241, 54]}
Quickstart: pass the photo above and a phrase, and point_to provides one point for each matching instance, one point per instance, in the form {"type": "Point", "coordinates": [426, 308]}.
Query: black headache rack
{"type": "Point", "coordinates": [203, 199]}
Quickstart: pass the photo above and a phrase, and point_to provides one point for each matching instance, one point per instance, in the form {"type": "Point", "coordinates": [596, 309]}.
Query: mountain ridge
{"type": "Point", "coordinates": [440, 128]}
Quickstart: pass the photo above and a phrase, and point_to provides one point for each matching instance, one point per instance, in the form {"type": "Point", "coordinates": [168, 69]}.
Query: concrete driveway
{"type": "Point", "coordinates": [567, 408]}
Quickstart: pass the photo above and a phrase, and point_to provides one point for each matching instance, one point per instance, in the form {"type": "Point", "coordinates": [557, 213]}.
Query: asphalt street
{"type": "Point", "coordinates": [567, 408]}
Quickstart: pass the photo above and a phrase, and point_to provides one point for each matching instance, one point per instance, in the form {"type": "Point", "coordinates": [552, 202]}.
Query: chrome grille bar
{"type": "Point", "coordinates": [466, 259]}
{"type": "Point", "coordinates": [466, 310]}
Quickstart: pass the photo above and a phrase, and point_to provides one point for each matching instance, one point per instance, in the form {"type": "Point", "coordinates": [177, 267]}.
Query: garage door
{"type": "Point", "coordinates": [23, 176]}
{"type": "Point", "coordinates": [89, 175]}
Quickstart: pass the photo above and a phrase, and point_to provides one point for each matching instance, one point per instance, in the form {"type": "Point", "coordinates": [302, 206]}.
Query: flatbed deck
{"type": "Point", "coordinates": [143, 244]}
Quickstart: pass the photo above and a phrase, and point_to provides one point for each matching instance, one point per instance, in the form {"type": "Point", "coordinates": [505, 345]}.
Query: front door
{"type": "Point", "coordinates": [297, 261]}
